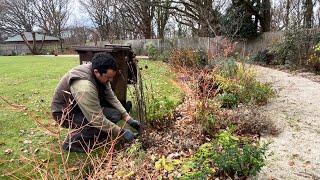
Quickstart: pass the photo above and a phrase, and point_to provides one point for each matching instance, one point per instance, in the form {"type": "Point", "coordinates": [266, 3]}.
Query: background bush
{"type": "Point", "coordinates": [295, 47]}
{"type": "Point", "coordinates": [187, 58]}
{"type": "Point", "coordinates": [314, 60]}
{"type": "Point", "coordinates": [164, 56]}
{"type": "Point", "coordinates": [238, 84]}
{"type": "Point", "coordinates": [152, 51]}
{"type": "Point", "coordinates": [265, 57]}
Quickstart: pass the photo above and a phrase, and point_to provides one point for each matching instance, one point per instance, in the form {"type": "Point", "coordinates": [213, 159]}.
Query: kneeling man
{"type": "Point", "coordinates": [78, 103]}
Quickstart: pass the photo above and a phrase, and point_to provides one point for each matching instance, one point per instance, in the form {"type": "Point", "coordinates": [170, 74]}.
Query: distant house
{"type": "Point", "coordinates": [16, 46]}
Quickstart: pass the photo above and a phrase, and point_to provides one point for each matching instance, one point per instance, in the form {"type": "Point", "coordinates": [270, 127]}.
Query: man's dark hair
{"type": "Point", "coordinates": [103, 61]}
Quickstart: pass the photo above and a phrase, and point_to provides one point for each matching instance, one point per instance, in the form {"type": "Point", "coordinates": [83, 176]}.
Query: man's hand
{"type": "Point", "coordinates": [135, 124]}
{"type": "Point", "coordinates": [127, 135]}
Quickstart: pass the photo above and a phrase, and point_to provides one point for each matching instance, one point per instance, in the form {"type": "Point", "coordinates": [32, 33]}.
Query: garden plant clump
{"type": "Point", "coordinates": [227, 156]}
{"type": "Point", "coordinates": [265, 57]}
{"type": "Point", "coordinates": [226, 93]}
{"type": "Point", "coordinates": [238, 84]}
{"type": "Point", "coordinates": [295, 47]}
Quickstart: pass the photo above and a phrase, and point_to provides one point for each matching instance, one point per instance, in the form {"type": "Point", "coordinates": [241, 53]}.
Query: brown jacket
{"type": "Point", "coordinates": [80, 86]}
{"type": "Point", "coordinates": [62, 96]}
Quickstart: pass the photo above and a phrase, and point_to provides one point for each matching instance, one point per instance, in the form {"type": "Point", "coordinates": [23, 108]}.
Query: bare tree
{"type": "Point", "coordinates": [163, 13]}
{"type": "Point", "coordinates": [3, 36]}
{"type": "Point", "coordinates": [121, 19]}
{"type": "Point", "coordinates": [261, 9]}
{"type": "Point", "coordinates": [300, 13]}
{"type": "Point", "coordinates": [139, 14]}
{"type": "Point", "coordinates": [265, 20]}
{"type": "Point", "coordinates": [296, 14]}
{"type": "Point", "coordinates": [286, 22]}
{"type": "Point", "coordinates": [101, 13]}
{"type": "Point", "coordinates": [17, 16]}
{"type": "Point", "coordinates": [20, 16]}
{"type": "Point", "coordinates": [78, 34]}
{"type": "Point", "coordinates": [317, 15]}
{"type": "Point", "coordinates": [281, 19]}
{"type": "Point", "coordinates": [52, 16]}
{"type": "Point", "coordinates": [34, 48]}
{"type": "Point", "coordinates": [201, 16]}
{"type": "Point", "coordinates": [232, 25]}
{"type": "Point", "coordinates": [2, 33]}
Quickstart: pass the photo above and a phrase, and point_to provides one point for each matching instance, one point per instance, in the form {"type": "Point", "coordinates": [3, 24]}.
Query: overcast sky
{"type": "Point", "coordinates": [78, 15]}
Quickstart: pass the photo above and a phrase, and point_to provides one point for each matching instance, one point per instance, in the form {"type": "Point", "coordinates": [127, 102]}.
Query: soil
{"type": "Point", "coordinates": [295, 152]}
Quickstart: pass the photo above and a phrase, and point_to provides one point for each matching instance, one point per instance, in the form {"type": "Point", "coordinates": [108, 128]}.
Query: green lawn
{"type": "Point", "coordinates": [30, 81]}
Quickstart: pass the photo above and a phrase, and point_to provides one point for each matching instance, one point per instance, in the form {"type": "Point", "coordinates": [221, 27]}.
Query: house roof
{"type": "Point", "coordinates": [28, 35]}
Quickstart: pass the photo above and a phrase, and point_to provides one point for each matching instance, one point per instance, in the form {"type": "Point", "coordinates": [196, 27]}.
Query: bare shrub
{"type": "Point", "coordinates": [222, 48]}
{"type": "Point", "coordinates": [229, 95]}
{"type": "Point", "coordinates": [186, 58]}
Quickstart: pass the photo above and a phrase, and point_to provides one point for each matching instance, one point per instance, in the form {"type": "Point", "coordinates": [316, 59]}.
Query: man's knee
{"type": "Point", "coordinates": [112, 114]}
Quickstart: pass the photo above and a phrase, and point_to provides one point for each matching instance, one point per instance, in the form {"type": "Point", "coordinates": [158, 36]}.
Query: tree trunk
{"type": "Point", "coordinates": [147, 28]}
{"type": "Point", "coordinates": [162, 17]}
{"type": "Point", "coordinates": [298, 21]}
{"type": "Point", "coordinates": [203, 30]}
{"type": "Point", "coordinates": [308, 14]}
{"type": "Point", "coordinates": [266, 14]}
{"type": "Point", "coordinates": [147, 31]}
{"type": "Point", "coordinates": [287, 14]}
{"type": "Point", "coordinates": [61, 46]}
{"type": "Point", "coordinates": [161, 22]}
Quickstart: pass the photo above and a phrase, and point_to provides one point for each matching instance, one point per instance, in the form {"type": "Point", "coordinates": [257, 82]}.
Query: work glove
{"type": "Point", "coordinates": [127, 135]}
{"type": "Point", "coordinates": [135, 124]}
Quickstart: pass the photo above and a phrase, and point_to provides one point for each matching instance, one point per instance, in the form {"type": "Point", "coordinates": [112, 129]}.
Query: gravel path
{"type": "Point", "coordinates": [295, 152]}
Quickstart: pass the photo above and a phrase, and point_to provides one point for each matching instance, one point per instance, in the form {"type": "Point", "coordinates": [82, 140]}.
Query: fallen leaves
{"type": "Point", "coordinates": [36, 150]}
{"type": "Point", "coordinates": [291, 163]}
{"type": "Point", "coordinates": [27, 141]}
{"type": "Point", "coordinates": [174, 155]}
{"type": "Point", "coordinates": [8, 151]}
{"type": "Point", "coordinates": [73, 169]}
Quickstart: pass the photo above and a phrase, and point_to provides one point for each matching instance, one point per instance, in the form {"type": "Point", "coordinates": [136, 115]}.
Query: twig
{"type": "Point", "coordinates": [13, 105]}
